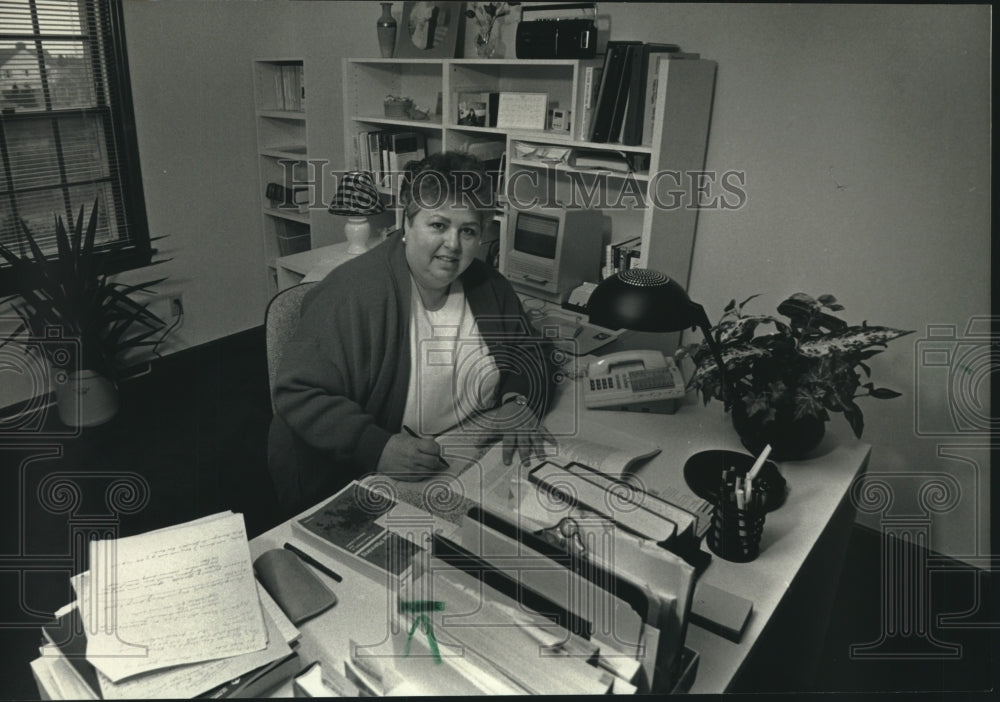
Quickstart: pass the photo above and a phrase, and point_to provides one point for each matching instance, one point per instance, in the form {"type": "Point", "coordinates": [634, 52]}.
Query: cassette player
{"type": "Point", "coordinates": [562, 32]}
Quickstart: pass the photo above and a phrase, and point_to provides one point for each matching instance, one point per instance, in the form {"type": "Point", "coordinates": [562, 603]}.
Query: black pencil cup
{"type": "Point", "coordinates": [735, 533]}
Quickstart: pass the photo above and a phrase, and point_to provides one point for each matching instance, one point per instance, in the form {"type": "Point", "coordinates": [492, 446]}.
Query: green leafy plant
{"type": "Point", "coordinates": [68, 290]}
{"type": "Point", "coordinates": [808, 362]}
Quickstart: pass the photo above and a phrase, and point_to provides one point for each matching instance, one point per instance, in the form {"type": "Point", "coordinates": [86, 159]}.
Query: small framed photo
{"type": "Point", "coordinates": [429, 29]}
{"type": "Point", "coordinates": [473, 109]}
{"type": "Point", "coordinates": [522, 110]}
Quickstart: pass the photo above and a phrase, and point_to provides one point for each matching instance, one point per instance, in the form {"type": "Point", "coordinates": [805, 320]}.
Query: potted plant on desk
{"type": "Point", "coordinates": [85, 322]}
{"type": "Point", "coordinates": [785, 377]}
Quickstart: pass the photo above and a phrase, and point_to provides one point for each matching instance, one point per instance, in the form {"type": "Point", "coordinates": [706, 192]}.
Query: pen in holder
{"type": "Point", "coordinates": [737, 521]}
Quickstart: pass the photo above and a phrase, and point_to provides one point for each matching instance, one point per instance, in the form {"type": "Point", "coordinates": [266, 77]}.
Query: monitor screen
{"type": "Point", "coordinates": [536, 235]}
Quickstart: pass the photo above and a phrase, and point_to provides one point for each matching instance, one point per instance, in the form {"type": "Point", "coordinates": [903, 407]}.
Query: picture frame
{"type": "Point", "coordinates": [522, 110]}
{"type": "Point", "coordinates": [429, 29]}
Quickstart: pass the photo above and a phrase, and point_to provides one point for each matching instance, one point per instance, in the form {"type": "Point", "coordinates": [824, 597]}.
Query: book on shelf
{"type": "Point", "coordinates": [611, 83]}
{"type": "Point", "coordinates": [591, 85]}
{"type": "Point", "coordinates": [621, 257]}
{"type": "Point", "coordinates": [404, 147]}
{"type": "Point", "coordinates": [348, 529]}
{"type": "Point", "coordinates": [374, 156]}
{"type": "Point", "coordinates": [282, 197]}
{"type": "Point", "coordinates": [385, 154]}
{"type": "Point", "coordinates": [635, 126]}
{"type": "Point", "coordinates": [289, 88]}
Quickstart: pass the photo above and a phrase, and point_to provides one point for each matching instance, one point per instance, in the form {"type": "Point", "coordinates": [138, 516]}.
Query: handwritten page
{"type": "Point", "coordinates": [195, 678]}
{"type": "Point", "coordinates": [171, 597]}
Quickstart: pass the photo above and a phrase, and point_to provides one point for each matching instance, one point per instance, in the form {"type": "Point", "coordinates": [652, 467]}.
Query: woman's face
{"type": "Point", "coordinates": [441, 243]}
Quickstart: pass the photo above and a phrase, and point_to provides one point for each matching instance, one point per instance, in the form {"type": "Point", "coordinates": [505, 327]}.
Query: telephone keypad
{"type": "Point", "coordinates": [651, 379]}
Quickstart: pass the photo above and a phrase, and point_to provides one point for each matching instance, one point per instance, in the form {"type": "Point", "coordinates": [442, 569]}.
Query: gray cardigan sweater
{"type": "Point", "coordinates": [342, 381]}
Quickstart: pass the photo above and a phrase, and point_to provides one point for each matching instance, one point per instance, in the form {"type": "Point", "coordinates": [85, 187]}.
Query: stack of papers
{"type": "Point", "coordinates": [175, 612]}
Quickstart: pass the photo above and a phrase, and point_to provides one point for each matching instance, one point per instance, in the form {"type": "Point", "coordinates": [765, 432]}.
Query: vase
{"type": "Point", "coordinates": [790, 438]}
{"type": "Point", "coordinates": [386, 28]}
{"type": "Point", "coordinates": [488, 43]}
{"type": "Point", "coordinates": [358, 231]}
{"type": "Point", "coordinates": [85, 398]}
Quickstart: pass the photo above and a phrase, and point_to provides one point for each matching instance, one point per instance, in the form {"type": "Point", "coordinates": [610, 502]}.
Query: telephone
{"type": "Point", "coordinates": [641, 381]}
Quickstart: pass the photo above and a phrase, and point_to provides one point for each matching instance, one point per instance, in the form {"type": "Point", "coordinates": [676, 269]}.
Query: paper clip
{"type": "Point", "coordinates": [424, 622]}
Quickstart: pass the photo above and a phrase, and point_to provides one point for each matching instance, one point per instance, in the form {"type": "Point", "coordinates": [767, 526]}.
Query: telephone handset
{"type": "Point", "coordinates": [637, 380]}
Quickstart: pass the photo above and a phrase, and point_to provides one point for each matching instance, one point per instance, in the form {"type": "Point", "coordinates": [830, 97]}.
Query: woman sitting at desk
{"type": "Point", "coordinates": [416, 335]}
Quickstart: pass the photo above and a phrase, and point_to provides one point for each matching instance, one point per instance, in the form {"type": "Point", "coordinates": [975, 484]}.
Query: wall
{"type": "Point", "coordinates": [864, 133]}
{"type": "Point", "coordinates": [190, 64]}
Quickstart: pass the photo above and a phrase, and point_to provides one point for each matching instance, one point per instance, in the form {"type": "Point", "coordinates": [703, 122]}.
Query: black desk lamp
{"type": "Point", "coordinates": [646, 300]}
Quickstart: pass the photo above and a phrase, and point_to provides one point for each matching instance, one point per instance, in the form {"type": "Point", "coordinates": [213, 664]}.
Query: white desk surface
{"type": "Point", "coordinates": [816, 488]}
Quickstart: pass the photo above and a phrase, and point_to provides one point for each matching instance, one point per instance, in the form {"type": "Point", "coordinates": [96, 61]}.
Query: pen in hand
{"type": "Point", "coordinates": [417, 436]}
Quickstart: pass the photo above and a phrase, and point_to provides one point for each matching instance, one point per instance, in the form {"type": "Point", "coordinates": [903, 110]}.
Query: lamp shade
{"type": "Point", "coordinates": [642, 300]}
{"type": "Point", "coordinates": [356, 196]}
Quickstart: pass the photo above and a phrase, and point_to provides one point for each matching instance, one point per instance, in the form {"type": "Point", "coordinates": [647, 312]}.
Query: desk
{"type": "Point", "coordinates": [799, 547]}
{"type": "Point", "coordinates": [817, 511]}
{"type": "Point", "coordinates": [315, 263]}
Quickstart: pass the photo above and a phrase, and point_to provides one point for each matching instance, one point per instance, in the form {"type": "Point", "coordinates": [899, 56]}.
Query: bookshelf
{"type": "Point", "coordinates": [679, 131]}
{"type": "Point", "coordinates": [279, 104]}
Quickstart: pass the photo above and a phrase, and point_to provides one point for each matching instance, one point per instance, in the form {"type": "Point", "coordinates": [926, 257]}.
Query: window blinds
{"type": "Point", "coordinates": [58, 106]}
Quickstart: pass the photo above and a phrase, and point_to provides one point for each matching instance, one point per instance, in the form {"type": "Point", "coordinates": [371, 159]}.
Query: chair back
{"type": "Point", "coordinates": [280, 320]}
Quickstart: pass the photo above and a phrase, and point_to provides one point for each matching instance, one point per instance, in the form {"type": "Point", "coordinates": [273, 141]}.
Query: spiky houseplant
{"type": "Point", "coordinates": [69, 291]}
{"type": "Point", "coordinates": [799, 369]}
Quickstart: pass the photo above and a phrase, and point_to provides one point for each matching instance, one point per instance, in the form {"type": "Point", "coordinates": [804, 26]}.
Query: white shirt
{"type": "Point", "coordinates": [452, 375]}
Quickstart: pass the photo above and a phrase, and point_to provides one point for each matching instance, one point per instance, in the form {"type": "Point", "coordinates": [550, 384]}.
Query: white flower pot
{"type": "Point", "coordinates": [85, 398]}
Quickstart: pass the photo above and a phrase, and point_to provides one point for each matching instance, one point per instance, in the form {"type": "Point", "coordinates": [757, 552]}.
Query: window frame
{"type": "Point", "coordinates": [118, 116]}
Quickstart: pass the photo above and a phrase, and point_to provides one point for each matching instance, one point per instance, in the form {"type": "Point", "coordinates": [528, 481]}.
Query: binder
{"type": "Point", "coordinates": [622, 98]}
{"type": "Point", "coordinates": [405, 147]}
{"type": "Point", "coordinates": [614, 66]}
{"type": "Point", "coordinates": [638, 79]}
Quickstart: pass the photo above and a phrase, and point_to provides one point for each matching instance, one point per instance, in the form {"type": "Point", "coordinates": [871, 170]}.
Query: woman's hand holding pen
{"type": "Point", "coordinates": [409, 457]}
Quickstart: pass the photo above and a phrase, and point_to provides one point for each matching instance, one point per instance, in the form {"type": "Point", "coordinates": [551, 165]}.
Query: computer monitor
{"type": "Point", "coordinates": [547, 252]}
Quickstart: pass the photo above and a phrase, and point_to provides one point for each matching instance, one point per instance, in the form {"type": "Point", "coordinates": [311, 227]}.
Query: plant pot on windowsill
{"type": "Point", "coordinates": [80, 320]}
{"type": "Point", "coordinates": [784, 378]}
{"type": "Point", "coordinates": [85, 398]}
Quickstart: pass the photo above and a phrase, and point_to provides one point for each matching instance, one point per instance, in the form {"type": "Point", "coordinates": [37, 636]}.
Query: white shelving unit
{"type": "Point", "coordinates": [279, 89]}
{"type": "Point", "coordinates": [680, 136]}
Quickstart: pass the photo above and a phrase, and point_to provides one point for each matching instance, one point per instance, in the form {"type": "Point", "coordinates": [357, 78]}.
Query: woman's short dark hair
{"type": "Point", "coordinates": [451, 177]}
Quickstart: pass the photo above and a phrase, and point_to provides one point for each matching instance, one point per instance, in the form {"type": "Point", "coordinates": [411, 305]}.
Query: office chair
{"type": "Point", "coordinates": [280, 320]}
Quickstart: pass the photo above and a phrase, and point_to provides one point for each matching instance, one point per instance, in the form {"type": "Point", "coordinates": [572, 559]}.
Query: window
{"type": "Point", "coordinates": [66, 128]}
